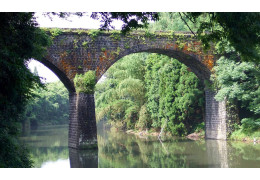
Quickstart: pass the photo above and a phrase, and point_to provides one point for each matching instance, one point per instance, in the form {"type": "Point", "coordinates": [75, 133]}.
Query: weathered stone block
{"type": "Point", "coordinates": [82, 127]}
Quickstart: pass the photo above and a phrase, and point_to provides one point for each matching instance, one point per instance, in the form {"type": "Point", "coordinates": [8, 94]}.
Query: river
{"type": "Point", "coordinates": [49, 149]}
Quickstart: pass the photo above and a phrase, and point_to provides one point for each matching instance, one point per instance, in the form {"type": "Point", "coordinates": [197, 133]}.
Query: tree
{"type": "Point", "coordinates": [175, 97]}
{"type": "Point", "coordinates": [120, 97]}
{"type": "Point", "coordinates": [20, 40]}
{"type": "Point", "coordinates": [50, 105]}
{"type": "Point", "coordinates": [237, 30]}
{"type": "Point", "coordinates": [239, 83]}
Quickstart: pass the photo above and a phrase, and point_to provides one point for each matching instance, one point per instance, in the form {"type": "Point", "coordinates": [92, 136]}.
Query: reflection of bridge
{"type": "Point", "coordinates": [216, 156]}
{"type": "Point", "coordinates": [77, 51]}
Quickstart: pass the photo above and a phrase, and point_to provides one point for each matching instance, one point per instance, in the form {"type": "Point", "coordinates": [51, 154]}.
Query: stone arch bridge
{"type": "Point", "coordinates": [77, 51]}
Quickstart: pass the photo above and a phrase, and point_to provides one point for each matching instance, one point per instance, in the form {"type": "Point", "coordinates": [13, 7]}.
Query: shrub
{"type": "Point", "coordinates": [85, 83]}
{"type": "Point", "coordinates": [249, 125]}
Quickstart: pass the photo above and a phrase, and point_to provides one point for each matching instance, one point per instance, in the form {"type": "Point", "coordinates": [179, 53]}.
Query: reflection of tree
{"type": "Point", "coordinates": [47, 144]}
{"type": "Point", "coordinates": [120, 150]}
{"type": "Point", "coordinates": [243, 154]}
{"type": "Point", "coordinates": [41, 155]}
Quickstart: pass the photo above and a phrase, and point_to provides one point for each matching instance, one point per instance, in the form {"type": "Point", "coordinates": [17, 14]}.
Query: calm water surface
{"type": "Point", "coordinates": [49, 149]}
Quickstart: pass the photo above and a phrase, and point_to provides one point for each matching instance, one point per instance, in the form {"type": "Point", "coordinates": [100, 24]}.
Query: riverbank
{"type": "Point", "coordinates": [236, 136]}
{"type": "Point", "coordinates": [193, 136]}
{"type": "Point", "coordinates": [240, 136]}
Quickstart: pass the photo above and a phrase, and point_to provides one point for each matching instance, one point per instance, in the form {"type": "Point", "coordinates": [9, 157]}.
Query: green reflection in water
{"type": "Point", "coordinates": [122, 150]}
{"type": "Point", "coordinates": [246, 155]}
{"type": "Point", "coordinates": [47, 144]}
{"type": "Point", "coordinates": [119, 150]}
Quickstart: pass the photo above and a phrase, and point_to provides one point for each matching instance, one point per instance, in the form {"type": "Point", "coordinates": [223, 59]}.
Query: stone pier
{"type": "Point", "coordinates": [82, 121]}
{"type": "Point", "coordinates": [216, 117]}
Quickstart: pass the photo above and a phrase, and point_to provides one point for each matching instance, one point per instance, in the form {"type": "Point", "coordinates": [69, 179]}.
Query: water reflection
{"type": "Point", "coordinates": [83, 158]}
{"type": "Point", "coordinates": [47, 144]}
{"type": "Point", "coordinates": [49, 149]}
{"type": "Point", "coordinates": [119, 150]}
{"type": "Point", "coordinates": [217, 153]}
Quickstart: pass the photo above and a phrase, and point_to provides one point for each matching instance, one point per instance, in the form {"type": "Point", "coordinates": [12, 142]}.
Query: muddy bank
{"type": "Point", "coordinates": [196, 136]}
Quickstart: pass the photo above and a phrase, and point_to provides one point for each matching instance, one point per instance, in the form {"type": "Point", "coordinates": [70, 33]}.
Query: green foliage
{"type": "Point", "coordinates": [84, 44]}
{"type": "Point", "coordinates": [50, 106]}
{"type": "Point", "coordinates": [56, 32]}
{"type": "Point", "coordinates": [171, 21]}
{"type": "Point", "coordinates": [120, 96]}
{"type": "Point", "coordinates": [239, 82]}
{"type": "Point", "coordinates": [237, 30]}
{"type": "Point", "coordinates": [161, 91]}
{"type": "Point", "coordinates": [131, 20]}
{"type": "Point", "coordinates": [93, 33]}
{"type": "Point", "coordinates": [250, 125]}
{"type": "Point", "coordinates": [144, 120]}
{"type": "Point", "coordinates": [116, 35]}
{"type": "Point", "coordinates": [175, 96]}
{"type": "Point", "coordinates": [150, 92]}
{"type": "Point", "coordinates": [20, 40]}
{"type": "Point", "coordinates": [85, 83]}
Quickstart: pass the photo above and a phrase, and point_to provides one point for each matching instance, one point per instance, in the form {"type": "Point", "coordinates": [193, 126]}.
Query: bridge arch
{"type": "Point", "coordinates": [77, 51]}
{"type": "Point", "coordinates": [197, 67]}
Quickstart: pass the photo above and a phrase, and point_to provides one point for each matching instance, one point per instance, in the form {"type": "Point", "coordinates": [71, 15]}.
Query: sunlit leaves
{"type": "Point", "coordinates": [85, 83]}
{"type": "Point", "coordinates": [239, 82]}
{"type": "Point", "coordinates": [120, 97]}
{"type": "Point", "coordinates": [174, 96]}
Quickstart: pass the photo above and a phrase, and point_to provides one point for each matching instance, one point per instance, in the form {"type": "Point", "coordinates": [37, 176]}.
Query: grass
{"type": "Point", "coordinates": [239, 135]}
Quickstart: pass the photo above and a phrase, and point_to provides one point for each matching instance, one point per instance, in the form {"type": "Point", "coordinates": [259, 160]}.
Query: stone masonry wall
{"type": "Point", "coordinates": [73, 121]}
{"type": "Point", "coordinates": [82, 127]}
{"type": "Point", "coordinates": [77, 51]}
{"type": "Point", "coordinates": [216, 117]}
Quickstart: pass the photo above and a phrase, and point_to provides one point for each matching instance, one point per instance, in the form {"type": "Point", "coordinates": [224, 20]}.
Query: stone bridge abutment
{"type": "Point", "coordinates": [76, 51]}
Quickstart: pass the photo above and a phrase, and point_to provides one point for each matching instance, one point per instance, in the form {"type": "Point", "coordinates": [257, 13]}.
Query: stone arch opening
{"type": "Point", "coordinates": [60, 74]}
{"type": "Point", "coordinates": [215, 112]}
{"type": "Point", "coordinates": [176, 55]}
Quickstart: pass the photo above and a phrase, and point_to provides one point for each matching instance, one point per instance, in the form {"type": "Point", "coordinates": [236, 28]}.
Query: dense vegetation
{"type": "Point", "coordinates": [20, 40]}
{"type": "Point", "coordinates": [150, 91]}
{"type": "Point", "coordinates": [239, 83]}
{"type": "Point", "coordinates": [50, 106]}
